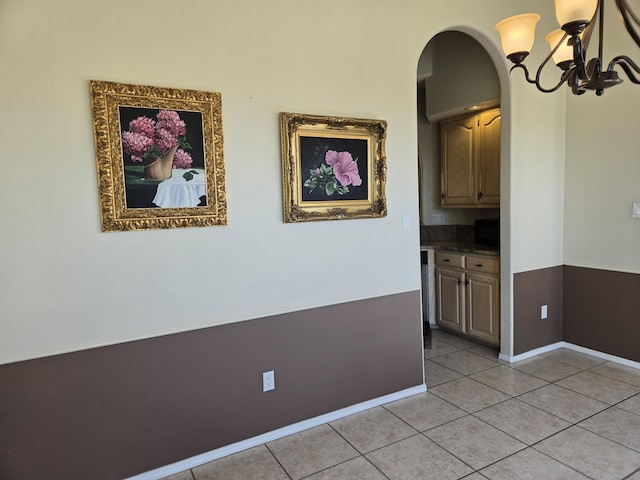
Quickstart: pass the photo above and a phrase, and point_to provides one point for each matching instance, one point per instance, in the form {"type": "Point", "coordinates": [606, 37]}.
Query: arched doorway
{"type": "Point", "coordinates": [459, 73]}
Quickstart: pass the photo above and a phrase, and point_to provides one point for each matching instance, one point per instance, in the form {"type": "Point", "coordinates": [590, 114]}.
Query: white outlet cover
{"type": "Point", "coordinates": [543, 312]}
{"type": "Point", "coordinates": [268, 381]}
{"type": "Point", "coordinates": [636, 210]}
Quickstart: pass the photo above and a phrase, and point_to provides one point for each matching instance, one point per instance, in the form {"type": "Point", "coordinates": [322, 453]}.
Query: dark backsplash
{"type": "Point", "coordinates": [430, 234]}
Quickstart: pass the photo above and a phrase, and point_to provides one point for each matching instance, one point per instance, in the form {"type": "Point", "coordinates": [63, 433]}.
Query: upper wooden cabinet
{"type": "Point", "coordinates": [470, 153]}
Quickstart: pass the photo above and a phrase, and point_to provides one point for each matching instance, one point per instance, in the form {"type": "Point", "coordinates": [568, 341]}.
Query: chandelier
{"type": "Point", "coordinates": [569, 44]}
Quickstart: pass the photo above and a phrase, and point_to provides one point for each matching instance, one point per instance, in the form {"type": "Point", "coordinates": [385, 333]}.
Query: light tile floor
{"type": "Point", "coordinates": [562, 415]}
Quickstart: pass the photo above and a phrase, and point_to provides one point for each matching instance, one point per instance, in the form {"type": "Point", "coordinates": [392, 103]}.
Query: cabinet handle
{"type": "Point", "coordinates": [467, 282]}
{"type": "Point", "coordinates": [446, 260]}
{"type": "Point", "coordinates": [480, 195]}
{"type": "Point", "coordinates": [459, 282]}
{"type": "Point", "coordinates": [478, 265]}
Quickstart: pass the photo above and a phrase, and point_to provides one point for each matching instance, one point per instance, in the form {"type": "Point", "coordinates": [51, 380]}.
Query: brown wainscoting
{"type": "Point", "coordinates": [531, 290]}
{"type": "Point", "coordinates": [602, 311]}
{"type": "Point", "coordinates": [117, 411]}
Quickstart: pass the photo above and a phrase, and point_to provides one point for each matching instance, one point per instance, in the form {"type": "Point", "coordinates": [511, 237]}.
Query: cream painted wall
{"type": "Point", "coordinates": [64, 285]}
{"type": "Point", "coordinates": [603, 169]}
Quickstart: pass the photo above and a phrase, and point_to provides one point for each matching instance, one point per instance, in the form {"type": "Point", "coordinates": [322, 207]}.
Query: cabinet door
{"type": "Point", "coordinates": [457, 147]}
{"type": "Point", "coordinates": [489, 158]}
{"type": "Point", "coordinates": [449, 299]}
{"type": "Point", "coordinates": [483, 307]}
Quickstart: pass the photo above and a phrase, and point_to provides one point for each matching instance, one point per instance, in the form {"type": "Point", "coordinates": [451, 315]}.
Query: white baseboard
{"type": "Point", "coordinates": [530, 353]}
{"type": "Point", "coordinates": [203, 458]}
{"type": "Point", "coordinates": [570, 346]}
{"type": "Point", "coordinates": [604, 356]}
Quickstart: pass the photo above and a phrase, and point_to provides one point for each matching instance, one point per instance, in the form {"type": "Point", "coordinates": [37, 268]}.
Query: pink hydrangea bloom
{"type": "Point", "coordinates": [145, 132]}
{"type": "Point", "coordinates": [143, 125]}
{"type": "Point", "coordinates": [170, 121]}
{"type": "Point", "coordinates": [344, 168]}
{"type": "Point", "coordinates": [165, 139]}
{"type": "Point", "coordinates": [136, 144]}
{"type": "Point", "coordinates": [182, 159]}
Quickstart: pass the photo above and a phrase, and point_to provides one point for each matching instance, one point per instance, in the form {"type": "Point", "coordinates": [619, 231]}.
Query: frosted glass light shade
{"type": "Point", "coordinates": [565, 52]}
{"type": "Point", "coordinates": [517, 33]}
{"type": "Point", "coordinates": [572, 10]}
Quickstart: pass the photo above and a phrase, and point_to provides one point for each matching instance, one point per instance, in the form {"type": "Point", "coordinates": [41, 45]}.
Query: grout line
{"type": "Point", "coordinates": [278, 461]}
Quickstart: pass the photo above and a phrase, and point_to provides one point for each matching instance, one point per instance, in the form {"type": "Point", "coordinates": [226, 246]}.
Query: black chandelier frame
{"type": "Point", "coordinates": [579, 74]}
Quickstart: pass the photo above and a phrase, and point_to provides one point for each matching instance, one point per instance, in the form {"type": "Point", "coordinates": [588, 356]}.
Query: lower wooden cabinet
{"type": "Point", "coordinates": [468, 295]}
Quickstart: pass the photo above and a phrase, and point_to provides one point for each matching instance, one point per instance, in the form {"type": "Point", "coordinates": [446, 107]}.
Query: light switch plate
{"type": "Point", "coordinates": [406, 221]}
{"type": "Point", "coordinates": [636, 210]}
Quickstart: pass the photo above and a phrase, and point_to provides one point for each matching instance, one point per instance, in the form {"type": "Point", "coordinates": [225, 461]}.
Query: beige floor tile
{"type": "Point", "coordinates": [591, 454]}
{"type": "Point", "coordinates": [425, 411]}
{"type": "Point", "coordinates": [545, 368]}
{"type": "Point", "coordinates": [456, 341]}
{"type": "Point", "coordinates": [576, 359]}
{"type": "Point", "coordinates": [311, 451]}
{"type": "Point", "coordinates": [372, 429]}
{"type": "Point", "coordinates": [509, 380]}
{"type": "Point", "coordinates": [418, 458]}
{"type": "Point", "coordinates": [468, 394]}
{"type": "Point", "coordinates": [631, 405]}
{"type": "Point", "coordinates": [566, 404]}
{"type": "Point", "coordinates": [530, 464]}
{"type": "Point", "coordinates": [618, 425]}
{"type": "Point", "coordinates": [635, 476]}
{"type": "Point", "coordinates": [439, 348]}
{"type": "Point", "coordinates": [618, 372]}
{"type": "Point", "coordinates": [357, 469]}
{"type": "Point", "coordinates": [186, 475]}
{"type": "Point", "coordinates": [599, 387]}
{"type": "Point", "coordinates": [435, 374]}
{"type": "Point", "coordinates": [464, 362]}
{"type": "Point", "coordinates": [474, 442]}
{"type": "Point", "coordinates": [522, 421]}
{"type": "Point", "coordinates": [256, 463]}
{"type": "Point", "coordinates": [487, 352]}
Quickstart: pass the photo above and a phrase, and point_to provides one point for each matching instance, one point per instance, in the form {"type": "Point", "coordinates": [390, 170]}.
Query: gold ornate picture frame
{"type": "Point", "coordinates": [333, 168]}
{"type": "Point", "coordinates": [159, 156]}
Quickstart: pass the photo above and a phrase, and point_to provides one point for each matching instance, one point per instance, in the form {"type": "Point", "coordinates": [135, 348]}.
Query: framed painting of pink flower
{"type": "Point", "coordinates": [333, 168]}
{"type": "Point", "coordinates": [159, 156]}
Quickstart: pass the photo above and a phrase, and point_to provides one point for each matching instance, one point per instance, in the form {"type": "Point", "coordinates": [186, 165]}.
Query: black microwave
{"type": "Point", "coordinates": [487, 232]}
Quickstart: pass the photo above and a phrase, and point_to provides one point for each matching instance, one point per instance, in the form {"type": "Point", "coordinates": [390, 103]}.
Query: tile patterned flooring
{"type": "Point", "coordinates": [562, 415]}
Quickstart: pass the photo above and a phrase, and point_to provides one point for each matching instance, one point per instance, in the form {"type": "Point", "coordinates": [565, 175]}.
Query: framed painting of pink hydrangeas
{"type": "Point", "coordinates": [333, 168]}
{"type": "Point", "coordinates": [159, 155]}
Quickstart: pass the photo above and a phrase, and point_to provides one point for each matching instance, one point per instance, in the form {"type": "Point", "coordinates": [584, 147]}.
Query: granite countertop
{"type": "Point", "coordinates": [463, 248]}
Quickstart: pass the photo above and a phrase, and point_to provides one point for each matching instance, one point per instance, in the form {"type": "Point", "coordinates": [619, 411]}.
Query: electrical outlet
{"type": "Point", "coordinates": [543, 312]}
{"type": "Point", "coordinates": [438, 219]}
{"type": "Point", "coordinates": [268, 381]}
{"type": "Point", "coordinates": [636, 210]}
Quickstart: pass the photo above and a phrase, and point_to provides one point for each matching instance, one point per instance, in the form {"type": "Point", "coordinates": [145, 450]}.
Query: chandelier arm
{"type": "Point", "coordinates": [536, 82]}
{"type": "Point", "coordinates": [563, 77]}
{"type": "Point", "coordinates": [629, 17]}
{"type": "Point", "coordinates": [627, 65]}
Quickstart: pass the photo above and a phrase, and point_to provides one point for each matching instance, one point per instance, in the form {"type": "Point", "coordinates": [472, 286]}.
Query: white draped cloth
{"type": "Point", "coordinates": [177, 192]}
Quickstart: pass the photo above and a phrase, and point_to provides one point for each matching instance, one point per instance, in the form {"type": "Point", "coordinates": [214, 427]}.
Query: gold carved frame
{"type": "Point", "coordinates": [314, 190]}
{"type": "Point", "coordinates": [107, 98]}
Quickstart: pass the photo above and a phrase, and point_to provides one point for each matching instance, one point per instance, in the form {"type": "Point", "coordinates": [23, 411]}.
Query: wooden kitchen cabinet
{"type": "Point", "coordinates": [450, 299]}
{"type": "Point", "coordinates": [468, 295]}
{"type": "Point", "coordinates": [470, 160]}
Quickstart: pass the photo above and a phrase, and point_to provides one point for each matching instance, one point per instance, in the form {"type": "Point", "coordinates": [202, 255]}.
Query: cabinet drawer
{"type": "Point", "coordinates": [455, 260]}
{"type": "Point", "coordinates": [483, 264]}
